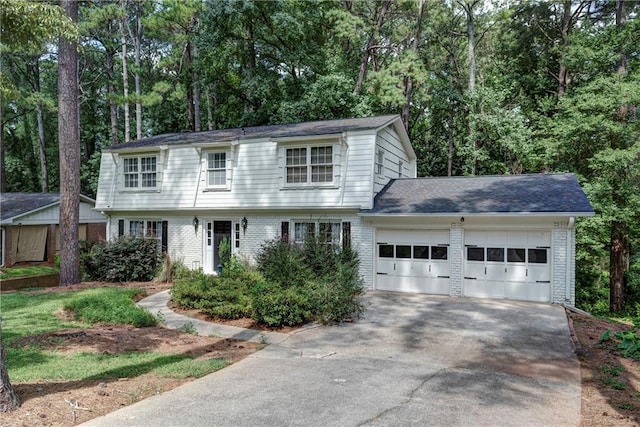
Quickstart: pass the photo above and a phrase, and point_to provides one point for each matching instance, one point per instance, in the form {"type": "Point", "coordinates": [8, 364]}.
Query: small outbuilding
{"type": "Point", "coordinates": [29, 226]}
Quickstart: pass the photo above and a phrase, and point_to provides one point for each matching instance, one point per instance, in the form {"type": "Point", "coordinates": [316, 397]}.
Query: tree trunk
{"type": "Point", "coordinates": [196, 93]}
{"type": "Point", "coordinates": [8, 397]}
{"type": "Point", "coordinates": [189, 86]}
{"type": "Point", "coordinates": [3, 174]}
{"type": "Point", "coordinates": [619, 264]}
{"type": "Point", "coordinates": [44, 171]}
{"type": "Point", "coordinates": [69, 143]}
{"type": "Point", "coordinates": [111, 92]}
{"type": "Point", "coordinates": [137, 41]}
{"type": "Point", "coordinates": [364, 64]}
{"type": "Point", "coordinates": [408, 81]}
{"type": "Point", "coordinates": [471, 46]}
{"type": "Point", "coordinates": [125, 73]}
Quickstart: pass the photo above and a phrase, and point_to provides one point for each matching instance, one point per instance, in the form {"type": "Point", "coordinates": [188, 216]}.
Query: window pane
{"type": "Point", "coordinates": [495, 254]}
{"type": "Point", "coordinates": [475, 254]}
{"type": "Point", "coordinates": [148, 180]}
{"type": "Point", "coordinates": [403, 251]}
{"type": "Point", "coordinates": [147, 164]}
{"type": "Point", "coordinates": [130, 165]}
{"type": "Point", "coordinates": [439, 252]}
{"type": "Point", "coordinates": [131, 180]}
{"type": "Point", "coordinates": [329, 232]}
{"type": "Point", "coordinates": [385, 251]}
{"type": "Point", "coordinates": [537, 256]}
{"type": "Point", "coordinates": [421, 252]}
{"type": "Point", "coordinates": [217, 178]}
{"type": "Point", "coordinates": [296, 156]}
{"type": "Point", "coordinates": [515, 255]}
{"type": "Point", "coordinates": [303, 230]}
{"type": "Point", "coordinates": [321, 155]}
{"type": "Point", "coordinates": [136, 228]}
{"type": "Point", "coordinates": [321, 173]}
{"type": "Point", "coordinates": [296, 174]}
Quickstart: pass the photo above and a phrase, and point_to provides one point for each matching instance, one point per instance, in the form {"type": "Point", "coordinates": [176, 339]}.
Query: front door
{"type": "Point", "coordinates": [215, 232]}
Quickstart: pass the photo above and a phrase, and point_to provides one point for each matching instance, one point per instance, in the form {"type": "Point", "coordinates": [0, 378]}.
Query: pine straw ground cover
{"type": "Point", "coordinates": [610, 382]}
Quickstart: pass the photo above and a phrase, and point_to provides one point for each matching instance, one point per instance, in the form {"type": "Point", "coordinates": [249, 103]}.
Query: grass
{"type": "Point", "coordinates": [34, 270]}
{"type": "Point", "coordinates": [26, 315]}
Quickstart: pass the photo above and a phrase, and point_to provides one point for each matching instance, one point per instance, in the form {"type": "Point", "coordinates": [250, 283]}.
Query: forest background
{"type": "Point", "coordinates": [483, 87]}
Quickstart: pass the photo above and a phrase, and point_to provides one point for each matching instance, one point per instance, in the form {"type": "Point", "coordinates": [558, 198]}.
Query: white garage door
{"type": "Point", "coordinates": [413, 261]}
{"type": "Point", "coordinates": [508, 264]}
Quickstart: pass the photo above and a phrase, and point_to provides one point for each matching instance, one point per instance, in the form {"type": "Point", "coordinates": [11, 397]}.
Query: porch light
{"type": "Point", "coordinates": [244, 223]}
{"type": "Point", "coordinates": [195, 223]}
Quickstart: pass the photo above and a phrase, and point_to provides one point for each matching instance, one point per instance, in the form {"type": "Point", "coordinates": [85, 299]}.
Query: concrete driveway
{"type": "Point", "coordinates": [413, 360]}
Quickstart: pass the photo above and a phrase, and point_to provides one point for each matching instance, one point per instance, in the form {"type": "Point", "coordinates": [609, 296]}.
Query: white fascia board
{"type": "Point", "coordinates": [180, 211]}
{"type": "Point", "coordinates": [470, 215]}
{"type": "Point", "coordinates": [135, 150]}
{"type": "Point", "coordinates": [215, 144]}
{"type": "Point", "coordinates": [305, 138]}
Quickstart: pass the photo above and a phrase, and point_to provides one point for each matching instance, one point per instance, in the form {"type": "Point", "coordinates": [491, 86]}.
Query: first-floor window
{"type": "Point", "coordinates": [146, 229]}
{"type": "Point", "coordinates": [327, 232]}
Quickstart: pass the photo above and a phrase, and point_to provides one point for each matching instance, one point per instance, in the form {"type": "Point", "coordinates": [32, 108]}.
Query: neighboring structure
{"type": "Point", "coordinates": [355, 181]}
{"type": "Point", "coordinates": [29, 226]}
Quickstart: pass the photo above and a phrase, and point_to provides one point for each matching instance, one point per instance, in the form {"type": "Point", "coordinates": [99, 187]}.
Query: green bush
{"type": "Point", "coordinates": [126, 259]}
{"type": "Point", "coordinates": [282, 263]}
{"type": "Point", "coordinates": [276, 306]}
{"type": "Point", "coordinates": [218, 296]}
{"type": "Point", "coordinates": [113, 307]}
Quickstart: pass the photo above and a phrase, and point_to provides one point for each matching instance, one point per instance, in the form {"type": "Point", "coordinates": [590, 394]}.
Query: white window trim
{"type": "Point", "coordinates": [336, 154]}
{"type": "Point", "coordinates": [139, 156]}
{"type": "Point", "coordinates": [229, 152]}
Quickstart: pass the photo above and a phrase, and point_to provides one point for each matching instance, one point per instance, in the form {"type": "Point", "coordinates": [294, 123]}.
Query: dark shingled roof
{"type": "Point", "coordinates": [16, 204]}
{"type": "Point", "coordinates": [325, 127]}
{"type": "Point", "coordinates": [506, 194]}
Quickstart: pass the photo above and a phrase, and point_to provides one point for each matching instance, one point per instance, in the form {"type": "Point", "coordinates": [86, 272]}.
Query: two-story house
{"type": "Point", "coordinates": [355, 181]}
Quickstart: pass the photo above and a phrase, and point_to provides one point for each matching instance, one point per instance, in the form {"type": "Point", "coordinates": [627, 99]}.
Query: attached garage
{"type": "Point", "coordinates": [413, 261]}
{"type": "Point", "coordinates": [508, 264]}
{"type": "Point", "coordinates": [506, 236]}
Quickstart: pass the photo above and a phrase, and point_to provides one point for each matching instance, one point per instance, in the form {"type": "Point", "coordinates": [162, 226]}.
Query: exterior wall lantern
{"type": "Point", "coordinates": [244, 223]}
{"type": "Point", "coordinates": [196, 222]}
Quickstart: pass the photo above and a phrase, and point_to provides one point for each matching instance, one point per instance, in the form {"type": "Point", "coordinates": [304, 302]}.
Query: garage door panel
{"type": "Point", "coordinates": [483, 288]}
{"type": "Point", "coordinates": [508, 264]}
{"type": "Point", "coordinates": [413, 260]}
{"type": "Point", "coordinates": [528, 291]}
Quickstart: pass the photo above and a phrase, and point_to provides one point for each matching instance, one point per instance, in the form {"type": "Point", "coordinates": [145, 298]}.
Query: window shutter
{"type": "Point", "coordinates": [120, 227]}
{"type": "Point", "coordinates": [346, 235]}
{"type": "Point", "coordinates": [165, 236]}
{"type": "Point", "coordinates": [284, 231]}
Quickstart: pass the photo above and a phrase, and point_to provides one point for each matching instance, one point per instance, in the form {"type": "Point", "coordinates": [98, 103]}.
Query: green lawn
{"type": "Point", "coordinates": [33, 270]}
{"type": "Point", "coordinates": [26, 314]}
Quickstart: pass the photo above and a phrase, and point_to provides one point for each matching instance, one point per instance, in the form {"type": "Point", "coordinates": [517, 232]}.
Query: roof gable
{"type": "Point", "coordinates": [325, 127]}
{"type": "Point", "coordinates": [483, 195]}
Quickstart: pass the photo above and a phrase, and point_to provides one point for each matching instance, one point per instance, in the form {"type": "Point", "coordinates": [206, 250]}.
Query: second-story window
{"type": "Point", "coordinates": [311, 164]}
{"type": "Point", "coordinates": [217, 169]}
{"type": "Point", "coordinates": [379, 161]}
{"type": "Point", "coordinates": [140, 172]}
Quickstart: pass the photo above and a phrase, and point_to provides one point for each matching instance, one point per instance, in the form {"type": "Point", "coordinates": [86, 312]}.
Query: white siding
{"type": "Point", "coordinates": [396, 159]}
{"type": "Point", "coordinates": [257, 178]}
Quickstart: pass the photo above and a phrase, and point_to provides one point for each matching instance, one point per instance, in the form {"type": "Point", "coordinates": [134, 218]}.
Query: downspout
{"type": "Point", "coordinates": [570, 227]}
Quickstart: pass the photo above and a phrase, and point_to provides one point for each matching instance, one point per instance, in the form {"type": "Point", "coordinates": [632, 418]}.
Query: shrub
{"type": "Point", "coordinates": [336, 295]}
{"type": "Point", "coordinates": [126, 259]}
{"type": "Point", "coordinates": [282, 263]}
{"type": "Point", "coordinates": [276, 306]}
{"type": "Point", "coordinates": [113, 306]}
{"type": "Point", "coordinates": [218, 296]}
